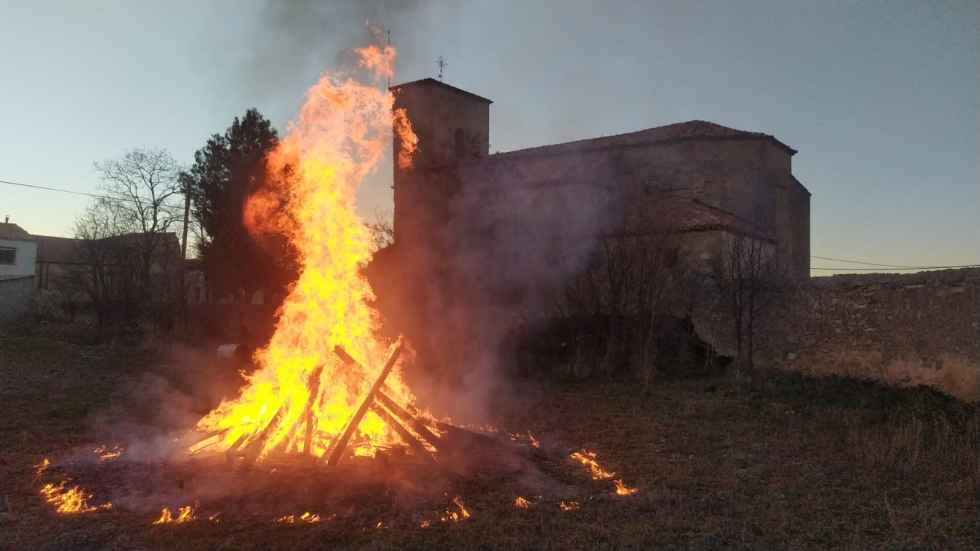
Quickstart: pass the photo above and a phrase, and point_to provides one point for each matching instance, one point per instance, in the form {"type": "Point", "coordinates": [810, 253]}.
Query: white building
{"type": "Point", "coordinates": [18, 255]}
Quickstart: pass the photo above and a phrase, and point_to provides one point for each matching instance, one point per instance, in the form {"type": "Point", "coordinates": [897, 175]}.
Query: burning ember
{"type": "Point", "coordinates": [312, 393]}
{"type": "Point", "coordinates": [70, 500]}
{"type": "Point", "coordinates": [184, 514]}
{"type": "Point", "coordinates": [305, 518]}
{"type": "Point", "coordinates": [41, 467]}
{"type": "Point", "coordinates": [517, 437]}
{"type": "Point", "coordinates": [588, 459]}
{"type": "Point", "coordinates": [623, 490]}
{"type": "Point", "coordinates": [107, 453]}
{"type": "Point", "coordinates": [569, 505]}
{"type": "Point", "coordinates": [456, 515]}
{"type": "Point", "coordinates": [522, 503]}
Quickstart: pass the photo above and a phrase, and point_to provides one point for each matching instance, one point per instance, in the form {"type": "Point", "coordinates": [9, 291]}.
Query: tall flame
{"type": "Point", "coordinates": [302, 395]}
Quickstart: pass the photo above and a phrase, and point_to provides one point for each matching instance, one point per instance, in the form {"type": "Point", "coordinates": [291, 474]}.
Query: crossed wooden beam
{"type": "Point", "coordinates": [376, 400]}
{"type": "Point", "coordinates": [388, 409]}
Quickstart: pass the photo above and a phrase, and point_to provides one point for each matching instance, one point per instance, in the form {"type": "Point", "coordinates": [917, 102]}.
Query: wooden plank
{"type": "Point", "coordinates": [254, 448]}
{"type": "Point", "coordinates": [407, 436]}
{"type": "Point", "coordinates": [394, 407]}
{"type": "Point", "coordinates": [314, 387]}
{"type": "Point", "coordinates": [415, 422]}
{"type": "Point", "coordinates": [337, 450]}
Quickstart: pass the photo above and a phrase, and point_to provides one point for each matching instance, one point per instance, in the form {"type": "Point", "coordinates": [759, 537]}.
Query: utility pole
{"type": "Point", "coordinates": [187, 211]}
{"type": "Point", "coordinates": [183, 252]}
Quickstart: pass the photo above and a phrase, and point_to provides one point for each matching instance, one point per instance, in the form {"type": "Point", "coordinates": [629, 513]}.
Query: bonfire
{"type": "Point", "coordinates": [326, 382]}
{"type": "Point", "coordinates": [327, 386]}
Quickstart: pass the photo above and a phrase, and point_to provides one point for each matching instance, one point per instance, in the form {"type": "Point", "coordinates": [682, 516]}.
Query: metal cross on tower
{"type": "Point", "coordinates": [441, 63]}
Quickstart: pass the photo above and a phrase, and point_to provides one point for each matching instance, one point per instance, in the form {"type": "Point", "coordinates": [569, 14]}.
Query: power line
{"type": "Point", "coordinates": [847, 268]}
{"type": "Point", "coordinates": [865, 263]}
{"type": "Point", "coordinates": [82, 193]}
{"type": "Point", "coordinates": [46, 188]}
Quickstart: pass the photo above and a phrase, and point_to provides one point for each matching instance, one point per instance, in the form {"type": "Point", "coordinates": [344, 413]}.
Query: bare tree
{"type": "Point", "coordinates": [104, 271]}
{"type": "Point", "coordinates": [623, 295]}
{"type": "Point", "coordinates": [382, 231]}
{"type": "Point", "coordinates": [660, 275]}
{"type": "Point", "coordinates": [124, 249]}
{"type": "Point", "coordinates": [749, 279]}
{"type": "Point", "coordinates": [143, 187]}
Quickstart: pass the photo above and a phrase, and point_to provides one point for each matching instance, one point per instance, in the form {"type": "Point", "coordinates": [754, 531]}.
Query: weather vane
{"type": "Point", "coordinates": [441, 63]}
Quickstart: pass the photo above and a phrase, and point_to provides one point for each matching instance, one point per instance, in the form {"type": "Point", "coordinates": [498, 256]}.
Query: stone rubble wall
{"type": "Point", "coordinates": [900, 329]}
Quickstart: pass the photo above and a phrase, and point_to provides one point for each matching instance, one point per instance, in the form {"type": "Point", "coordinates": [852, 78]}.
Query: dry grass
{"type": "Point", "coordinates": [802, 465]}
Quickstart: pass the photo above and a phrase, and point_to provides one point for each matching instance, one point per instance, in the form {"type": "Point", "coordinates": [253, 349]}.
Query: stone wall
{"type": "Point", "coordinates": [903, 330]}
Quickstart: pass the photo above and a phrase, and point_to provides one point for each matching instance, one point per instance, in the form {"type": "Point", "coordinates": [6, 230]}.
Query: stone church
{"type": "Point", "coordinates": [707, 179]}
{"type": "Point", "coordinates": [479, 236]}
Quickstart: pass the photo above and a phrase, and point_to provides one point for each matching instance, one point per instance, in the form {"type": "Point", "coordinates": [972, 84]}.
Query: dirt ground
{"type": "Point", "coordinates": [798, 465]}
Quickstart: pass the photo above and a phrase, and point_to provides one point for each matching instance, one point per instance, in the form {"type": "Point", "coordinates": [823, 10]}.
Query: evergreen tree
{"type": "Point", "coordinates": [226, 171]}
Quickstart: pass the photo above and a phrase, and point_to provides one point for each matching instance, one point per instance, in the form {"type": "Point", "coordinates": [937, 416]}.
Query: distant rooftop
{"type": "Point", "coordinates": [440, 84]}
{"type": "Point", "coordinates": [13, 232]}
{"type": "Point", "coordinates": [672, 132]}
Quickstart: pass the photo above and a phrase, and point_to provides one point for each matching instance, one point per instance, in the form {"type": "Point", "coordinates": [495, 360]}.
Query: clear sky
{"type": "Point", "coordinates": [880, 98]}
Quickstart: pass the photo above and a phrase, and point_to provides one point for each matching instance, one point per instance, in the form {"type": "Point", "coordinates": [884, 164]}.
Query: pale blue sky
{"type": "Point", "coordinates": [880, 98]}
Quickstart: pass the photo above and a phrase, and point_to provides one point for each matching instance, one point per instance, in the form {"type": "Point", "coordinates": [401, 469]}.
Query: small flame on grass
{"type": "Point", "coordinates": [106, 453]}
{"type": "Point", "coordinates": [70, 500]}
{"type": "Point", "coordinates": [517, 437]}
{"type": "Point", "coordinates": [380, 524]}
{"type": "Point", "coordinates": [184, 514]}
{"type": "Point", "coordinates": [588, 459]}
{"type": "Point", "coordinates": [307, 517]}
{"type": "Point", "coordinates": [215, 518]}
{"type": "Point", "coordinates": [622, 489]}
{"type": "Point", "coordinates": [569, 506]}
{"type": "Point", "coordinates": [42, 466]}
{"type": "Point", "coordinates": [522, 503]}
{"type": "Point", "coordinates": [456, 516]}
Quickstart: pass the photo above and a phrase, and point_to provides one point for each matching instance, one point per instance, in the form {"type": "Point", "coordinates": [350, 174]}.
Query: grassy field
{"type": "Point", "coordinates": [799, 465]}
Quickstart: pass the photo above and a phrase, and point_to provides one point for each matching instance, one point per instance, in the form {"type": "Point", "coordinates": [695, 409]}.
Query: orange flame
{"type": "Point", "coordinates": [407, 137]}
{"type": "Point", "coordinates": [623, 490]}
{"type": "Point", "coordinates": [522, 503]}
{"type": "Point", "coordinates": [588, 459]}
{"type": "Point", "coordinates": [569, 505]}
{"type": "Point", "coordinates": [307, 518]}
{"type": "Point", "coordinates": [458, 515]}
{"type": "Point", "coordinates": [379, 60]}
{"type": "Point", "coordinates": [107, 453]}
{"type": "Point", "coordinates": [70, 500]}
{"type": "Point", "coordinates": [302, 395]}
{"type": "Point", "coordinates": [41, 467]}
{"type": "Point", "coordinates": [184, 514]}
